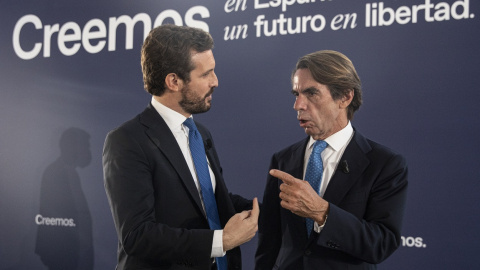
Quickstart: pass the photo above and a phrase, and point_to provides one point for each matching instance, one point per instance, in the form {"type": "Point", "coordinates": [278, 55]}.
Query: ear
{"type": "Point", "coordinates": [347, 99]}
{"type": "Point", "coordinates": [173, 82]}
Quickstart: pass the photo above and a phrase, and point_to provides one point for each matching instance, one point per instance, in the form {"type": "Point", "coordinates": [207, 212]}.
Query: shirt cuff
{"type": "Point", "coordinates": [318, 228]}
{"type": "Point", "coordinates": [217, 244]}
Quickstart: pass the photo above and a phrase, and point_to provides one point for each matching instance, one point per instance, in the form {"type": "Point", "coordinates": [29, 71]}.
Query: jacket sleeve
{"type": "Point", "coordinates": [269, 229]}
{"type": "Point", "coordinates": [368, 227]}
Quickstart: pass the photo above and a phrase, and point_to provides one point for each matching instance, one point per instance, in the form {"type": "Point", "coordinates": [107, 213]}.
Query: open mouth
{"type": "Point", "coordinates": [303, 123]}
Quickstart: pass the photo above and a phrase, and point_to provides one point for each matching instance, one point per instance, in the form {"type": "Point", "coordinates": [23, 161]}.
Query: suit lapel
{"type": "Point", "coordinates": [294, 166]}
{"type": "Point", "coordinates": [296, 163]}
{"type": "Point", "coordinates": [221, 192]}
{"type": "Point", "coordinates": [159, 133]}
{"type": "Point", "coordinates": [341, 182]}
{"type": "Point", "coordinates": [224, 204]}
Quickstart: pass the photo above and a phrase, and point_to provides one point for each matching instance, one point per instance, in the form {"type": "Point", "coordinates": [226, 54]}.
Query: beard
{"type": "Point", "coordinates": [193, 103]}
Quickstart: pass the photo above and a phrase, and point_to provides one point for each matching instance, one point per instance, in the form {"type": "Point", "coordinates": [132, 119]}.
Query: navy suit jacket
{"type": "Point", "coordinates": [155, 204]}
{"type": "Point", "coordinates": [366, 211]}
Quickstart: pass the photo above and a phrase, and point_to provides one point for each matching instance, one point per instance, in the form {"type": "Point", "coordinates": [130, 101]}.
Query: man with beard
{"type": "Point", "coordinates": [163, 179]}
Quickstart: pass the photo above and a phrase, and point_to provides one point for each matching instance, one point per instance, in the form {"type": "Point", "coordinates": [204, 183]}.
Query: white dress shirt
{"type": "Point", "coordinates": [330, 157]}
{"type": "Point", "coordinates": [174, 122]}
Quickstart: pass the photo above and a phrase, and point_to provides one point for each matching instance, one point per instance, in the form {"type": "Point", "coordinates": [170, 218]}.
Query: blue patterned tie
{"type": "Point", "coordinates": [314, 173]}
{"type": "Point", "coordinates": [197, 150]}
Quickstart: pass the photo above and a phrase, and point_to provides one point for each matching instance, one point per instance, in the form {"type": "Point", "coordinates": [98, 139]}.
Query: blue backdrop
{"type": "Point", "coordinates": [70, 72]}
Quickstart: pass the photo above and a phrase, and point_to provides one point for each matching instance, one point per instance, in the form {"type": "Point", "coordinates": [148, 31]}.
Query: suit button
{"type": "Point", "coordinates": [308, 252]}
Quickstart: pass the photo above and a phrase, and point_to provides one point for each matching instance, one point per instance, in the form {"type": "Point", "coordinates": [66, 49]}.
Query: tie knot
{"type": "Point", "coordinates": [190, 124]}
{"type": "Point", "coordinates": [319, 146]}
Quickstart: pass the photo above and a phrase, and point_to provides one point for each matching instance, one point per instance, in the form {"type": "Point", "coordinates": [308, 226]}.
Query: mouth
{"type": "Point", "coordinates": [303, 123]}
{"type": "Point", "coordinates": [209, 95]}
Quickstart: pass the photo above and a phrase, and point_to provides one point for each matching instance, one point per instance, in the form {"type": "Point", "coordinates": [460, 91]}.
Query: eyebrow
{"type": "Point", "coordinates": [309, 90]}
{"type": "Point", "coordinates": [206, 72]}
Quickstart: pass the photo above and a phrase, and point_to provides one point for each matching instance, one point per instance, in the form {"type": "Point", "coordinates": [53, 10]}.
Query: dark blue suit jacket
{"type": "Point", "coordinates": [366, 211]}
{"type": "Point", "coordinates": [155, 204]}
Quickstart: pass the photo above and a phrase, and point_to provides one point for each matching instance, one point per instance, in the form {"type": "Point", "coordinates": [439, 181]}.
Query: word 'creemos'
{"type": "Point", "coordinates": [93, 37]}
{"type": "Point", "coordinates": [53, 221]}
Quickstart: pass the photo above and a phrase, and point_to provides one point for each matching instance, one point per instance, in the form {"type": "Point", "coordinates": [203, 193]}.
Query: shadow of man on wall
{"type": "Point", "coordinates": [64, 236]}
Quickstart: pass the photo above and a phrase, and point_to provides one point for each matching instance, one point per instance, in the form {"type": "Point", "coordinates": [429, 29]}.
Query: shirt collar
{"type": "Point", "coordinates": [337, 140]}
{"type": "Point", "coordinates": [173, 119]}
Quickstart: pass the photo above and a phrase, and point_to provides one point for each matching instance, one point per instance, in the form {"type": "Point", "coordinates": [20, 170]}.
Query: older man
{"type": "Point", "coordinates": [348, 210]}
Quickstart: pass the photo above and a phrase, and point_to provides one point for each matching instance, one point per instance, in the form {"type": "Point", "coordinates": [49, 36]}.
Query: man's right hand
{"type": "Point", "coordinates": [241, 227]}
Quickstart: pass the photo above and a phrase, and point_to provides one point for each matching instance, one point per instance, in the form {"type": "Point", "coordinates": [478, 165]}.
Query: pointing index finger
{"type": "Point", "coordinates": [285, 177]}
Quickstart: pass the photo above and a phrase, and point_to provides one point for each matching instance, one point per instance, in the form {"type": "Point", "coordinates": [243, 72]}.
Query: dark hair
{"type": "Point", "coordinates": [168, 49]}
{"type": "Point", "coordinates": [337, 72]}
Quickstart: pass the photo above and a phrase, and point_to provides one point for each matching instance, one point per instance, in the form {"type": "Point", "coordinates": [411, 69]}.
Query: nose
{"type": "Point", "coordinates": [214, 80]}
{"type": "Point", "coordinates": [300, 104]}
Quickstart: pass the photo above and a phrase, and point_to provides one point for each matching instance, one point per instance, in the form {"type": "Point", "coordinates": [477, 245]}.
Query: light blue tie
{"type": "Point", "coordinates": [197, 150]}
{"type": "Point", "coordinates": [314, 173]}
